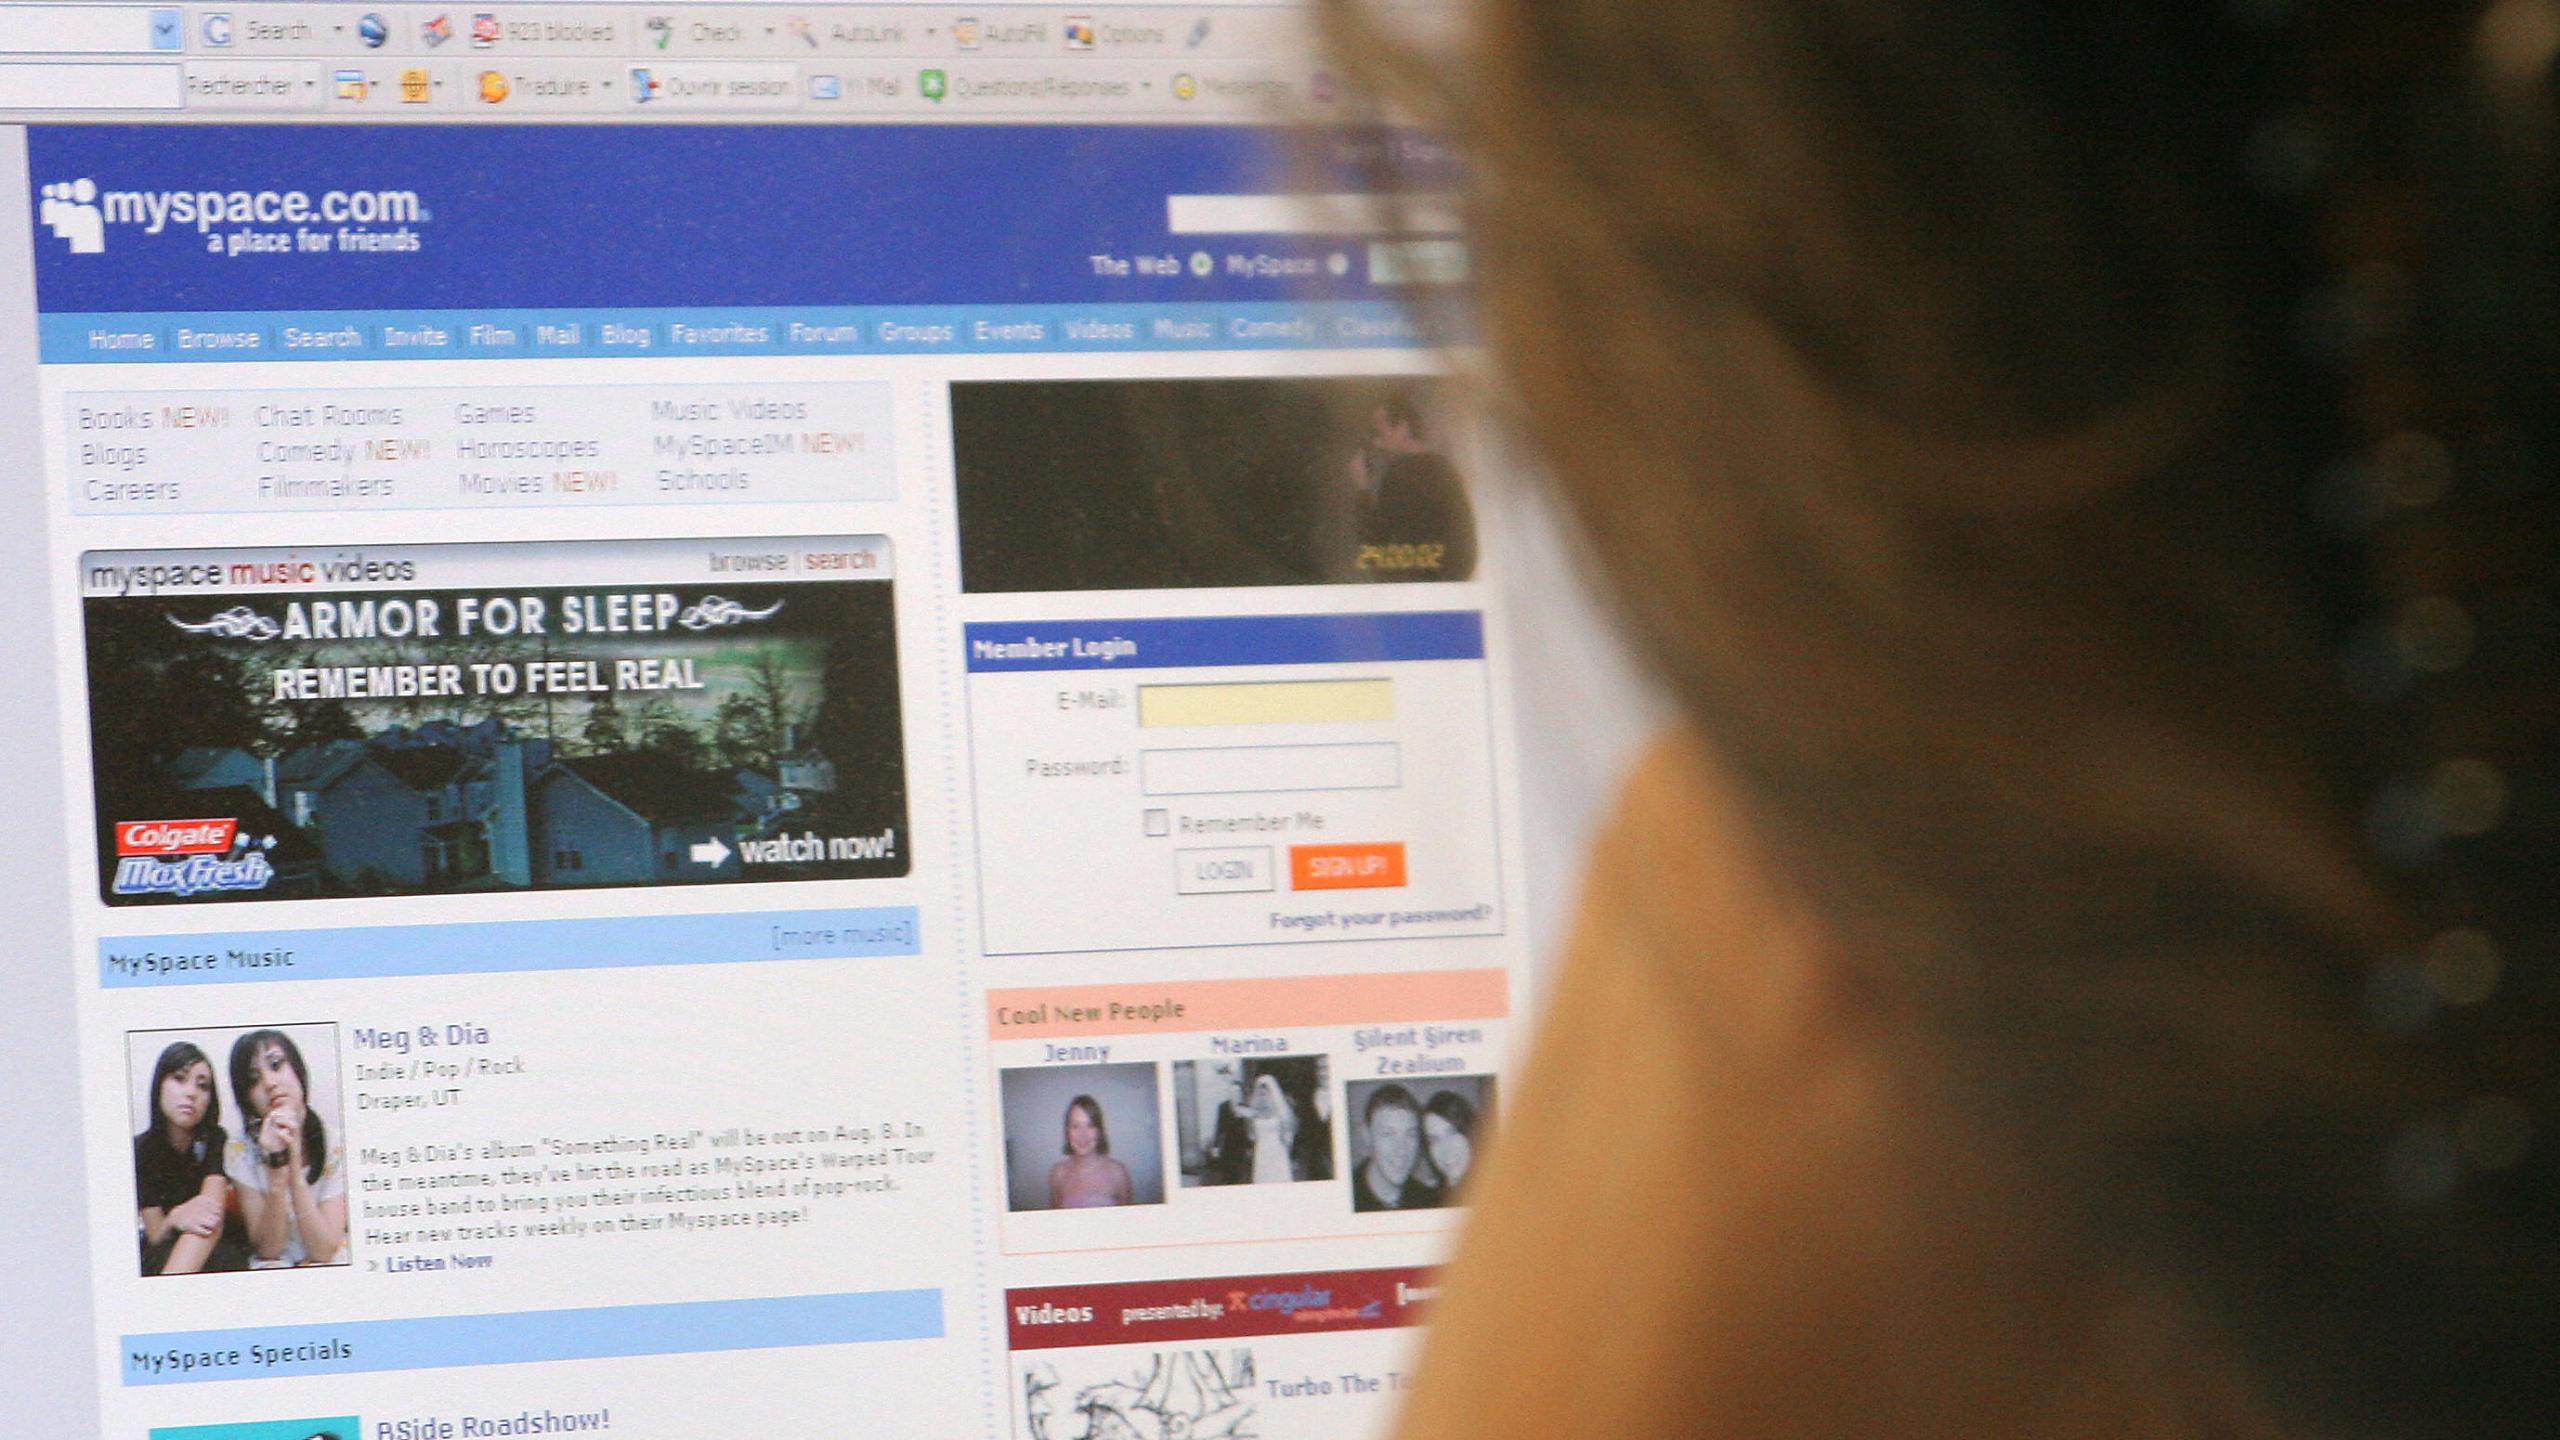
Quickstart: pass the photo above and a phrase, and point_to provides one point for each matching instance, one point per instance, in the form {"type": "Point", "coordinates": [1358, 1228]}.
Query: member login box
{"type": "Point", "coordinates": [1233, 780]}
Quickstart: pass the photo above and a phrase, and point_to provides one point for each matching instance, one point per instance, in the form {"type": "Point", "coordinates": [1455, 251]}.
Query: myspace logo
{"type": "Point", "coordinates": [70, 210]}
{"type": "Point", "coordinates": [237, 222]}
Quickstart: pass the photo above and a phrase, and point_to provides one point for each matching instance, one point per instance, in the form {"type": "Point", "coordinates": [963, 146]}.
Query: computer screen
{"type": "Point", "coordinates": [739, 720]}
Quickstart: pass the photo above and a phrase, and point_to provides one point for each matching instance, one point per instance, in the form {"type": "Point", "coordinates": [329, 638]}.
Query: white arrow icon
{"type": "Point", "coordinates": [711, 852]}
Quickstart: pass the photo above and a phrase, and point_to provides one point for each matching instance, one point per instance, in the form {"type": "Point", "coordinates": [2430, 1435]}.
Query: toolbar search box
{"type": "Point", "coordinates": [91, 87]}
{"type": "Point", "coordinates": [88, 29]}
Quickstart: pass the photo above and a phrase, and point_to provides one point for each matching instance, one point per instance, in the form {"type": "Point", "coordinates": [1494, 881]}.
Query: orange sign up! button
{"type": "Point", "coordinates": [1347, 867]}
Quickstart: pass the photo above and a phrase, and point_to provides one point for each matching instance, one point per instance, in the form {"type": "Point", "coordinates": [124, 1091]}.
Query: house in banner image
{"type": "Point", "coordinates": [446, 807]}
{"type": "Point", "coordinates": [436, 808]}
{"type": "Point", "coordinates": [629, 819]}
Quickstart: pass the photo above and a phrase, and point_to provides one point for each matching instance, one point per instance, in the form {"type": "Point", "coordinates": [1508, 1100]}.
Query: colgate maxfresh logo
{"type": "Point", "coordinates": [175, 837]}
{"type": "Point", "coordinates": [189, 857]}
{"type": "Point", "coordinates": [236, 222]}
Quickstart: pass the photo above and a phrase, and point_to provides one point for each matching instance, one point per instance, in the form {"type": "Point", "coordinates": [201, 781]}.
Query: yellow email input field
{"type": "Point", "coordinates": [1267, 702]}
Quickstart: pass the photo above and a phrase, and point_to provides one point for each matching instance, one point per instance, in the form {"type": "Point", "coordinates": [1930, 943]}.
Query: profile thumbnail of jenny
{"type": "Point", "coordinates": [239, 1153]}
{"type": "Point", "coordinates": [1082, 1137]}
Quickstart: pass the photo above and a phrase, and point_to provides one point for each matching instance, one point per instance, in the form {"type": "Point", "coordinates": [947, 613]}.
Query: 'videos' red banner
{"type": "Point", "coordinates": [1216, 1308]}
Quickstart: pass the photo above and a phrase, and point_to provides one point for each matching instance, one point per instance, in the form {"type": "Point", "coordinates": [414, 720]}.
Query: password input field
{"type": "Point", "coordinates": [1268, 702]}
{"type": "Point", "coordinates": [1260, 769]}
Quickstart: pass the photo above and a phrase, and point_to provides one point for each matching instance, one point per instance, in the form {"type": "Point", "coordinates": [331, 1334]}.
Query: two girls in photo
{"type": "Point", "coordinates": [272, 1196]}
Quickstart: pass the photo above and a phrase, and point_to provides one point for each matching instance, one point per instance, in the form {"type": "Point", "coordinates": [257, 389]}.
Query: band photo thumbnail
{"type": "Point", "coordinates": [1081, 1137]}
{"type": "Point", "coordinates": [239, 1148]}
{"type": "Point", "coordinates": [1258, 1120]}
{"type": "Point", "coordinates": [1414, 1141]}
{"type": "Point", "coordinates": [493, 718]}
{"type": "Point", "coordinates": [1165, 484]}
{"type": "Point", "coordinates": [339, 1427]}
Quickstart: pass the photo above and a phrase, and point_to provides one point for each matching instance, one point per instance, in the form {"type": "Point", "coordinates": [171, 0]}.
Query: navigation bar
{"type": "Point", "coordinates": [339, 335]}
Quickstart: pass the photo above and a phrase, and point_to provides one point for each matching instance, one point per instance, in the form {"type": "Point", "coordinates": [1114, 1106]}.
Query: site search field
{"type": "Point", "coordinates": [1244, 780]}
{"type": "Point", "coordinates": [475, 447]}
{"type": "Point", "coordinates": [1309, 214]}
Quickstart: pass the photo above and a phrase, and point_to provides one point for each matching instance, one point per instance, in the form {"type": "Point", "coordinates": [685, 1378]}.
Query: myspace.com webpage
{"type": "Point", "coordinates": [736, 780]}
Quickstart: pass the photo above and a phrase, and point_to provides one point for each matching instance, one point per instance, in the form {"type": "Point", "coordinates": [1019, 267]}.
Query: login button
{"type": "Point", "coordinates": [1225, 870]}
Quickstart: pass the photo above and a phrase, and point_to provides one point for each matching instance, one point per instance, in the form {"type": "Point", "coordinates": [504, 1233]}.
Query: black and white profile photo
{"type": "Point", "coordinates": [1414, 1142]}
{"type": "Point", "coordinates": [239, 1148]}
{"type": "Point", "coordinates": [1079, 1137]}
{"type": "Point", "coordinates": [1261, 1120]}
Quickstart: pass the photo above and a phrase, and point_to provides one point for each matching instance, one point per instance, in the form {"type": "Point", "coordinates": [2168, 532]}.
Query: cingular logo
{"type": "Point", "coordinates": [237, 222]}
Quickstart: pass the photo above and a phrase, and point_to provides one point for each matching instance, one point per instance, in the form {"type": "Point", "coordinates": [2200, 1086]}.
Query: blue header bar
{"type": "Point", "coordinates": [439, 1342]}
{"type": "Point", "coordinates": [265, 218]}
{"type": "Point", "coordinates": [124, 338]}
{"type": "Point", "coordinates": [505, 947]}
{"type": "Point", "coordinates": [1226, 640]}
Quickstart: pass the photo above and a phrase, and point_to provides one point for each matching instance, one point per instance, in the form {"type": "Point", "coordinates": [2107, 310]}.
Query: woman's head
{"type": "Point", "coordinates": [267, 1071]}
{"type": "Point", "coordinates": [1268, 1097]}
{"type": "Point", "coordinates": [1085, 1133]}
{"type": "Point", "coordinates": [2076, 467]}
{"type": "Point", "coordinates": [1448, 1135]}
{"type": "Point", "coordinates": [1272, 1103]}
{"type": "Point", "coordinates": [183, 1100]}
{"type": "Point", "coordinates": [268, 1074]}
